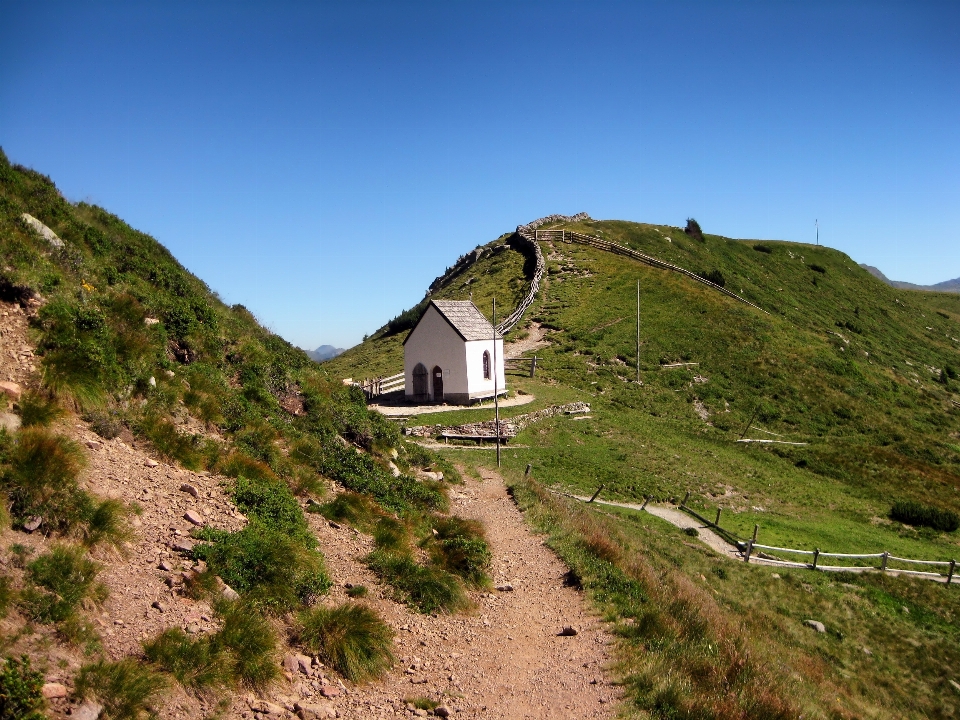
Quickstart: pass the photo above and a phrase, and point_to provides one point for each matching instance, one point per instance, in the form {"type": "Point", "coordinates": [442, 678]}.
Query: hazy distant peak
{"type": "Point", "coordinates": [945, 286]}
{"type": "Point", "coordinates": [324, 352]}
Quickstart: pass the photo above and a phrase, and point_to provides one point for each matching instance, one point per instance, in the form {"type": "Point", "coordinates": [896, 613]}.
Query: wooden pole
{"type": "Point", "coordinates": [756, 529]}
{"type": "Point", "coordinates": [646, 499]}
{"type": "Point", "coordinates": [752, 418]}
{"type": "Point", "coordinates": [638, 332]}
{"type": "Point", "coordinates": [816, 557]}
{"type": "Point", "coordinates": [596, 493]}
{"type": "Point", "coordinates": [953, 566]}
{"type": "Point", "coordinates": [883, 565]}
{"type": "Point", "coordinates": [717, 521]}
{"type": "Point", "coordinates": [685, 498]}
{"type": "Point", "coordinates": [496, 397]}
{"type": "Point", "coordinates": [529, 467]}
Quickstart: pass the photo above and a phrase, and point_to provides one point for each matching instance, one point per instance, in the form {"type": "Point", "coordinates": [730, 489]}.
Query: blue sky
{"type": "Point", "coordinates": [321, 163]}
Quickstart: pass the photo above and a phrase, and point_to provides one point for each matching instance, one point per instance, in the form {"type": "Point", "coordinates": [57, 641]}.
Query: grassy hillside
{"type": "Point", "coordinates": [133, 344]}
{"type": "Point", "coordinates": [864, 374]}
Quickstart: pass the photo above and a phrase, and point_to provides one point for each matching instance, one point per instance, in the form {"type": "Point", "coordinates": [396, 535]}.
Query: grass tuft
{"type": "Point", "coordinates": [58, 582]}
{"type": "Point", "coordinates": [459, 547]}
{"type": "Point", "coordinates": [38, 410]}
{"type": "Point", "coordinates": [913, 513]}
{"type": "Point", "coordinates": [428, 589]}
{"type": "Point", "coordinates": [21, 696]}
{"type": "Point", "coordinates": [125, 688]}
{"type": "Point", "coordinates": [351, 638]}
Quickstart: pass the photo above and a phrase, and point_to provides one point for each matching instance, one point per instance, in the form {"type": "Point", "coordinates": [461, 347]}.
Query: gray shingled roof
{"type": "Point", "coordinates": [466, 319]}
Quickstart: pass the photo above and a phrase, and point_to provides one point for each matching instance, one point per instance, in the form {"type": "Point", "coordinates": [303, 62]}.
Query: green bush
{"type": "Point", "coordinates": [428, 589]}
{"type": "Point", "coordinates": [352, 508]}
{"type": "Point", "coordinates": [272, 503]}
{"type": "Point", "coordinates": [763, 248]}
{"type": "Point", "coordinates": [125, 688]}
{"type": "Point", "coordinates": [913, 513]}
{"type": "Point", "coordinates": [59, 581]}
{"type": "Point", "coordinates": [107, 425]}
{"type": "Point", "coordinates": [351, 638]}
{"type": "Point", "coordinates": [391, 534]}
{"type": "Point", "coordinates": [714, 276]}
{"type": "Point", "coordinates": [459, 547]}
{"type": "Point", "coordinates": [693, 229]}
{"type": "Point", "coordinates": [20, 690]}
{"type": "Point", "coordinates": [106, 521]}
{"type": "Point", "coordinates": [250, 644]}
{"type": "Point", "coordinates": [274, 569]}
{"type": "Point", "coordinates": [38, 410]}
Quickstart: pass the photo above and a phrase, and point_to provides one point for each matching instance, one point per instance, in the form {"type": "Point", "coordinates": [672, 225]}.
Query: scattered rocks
{"type": "Point", "coordinates": [90, 710]}
{"type": "Point", "coordinates": [816, 625]}
{"type": "Point", "coordinates": [314, 711]}
{"type": "Point", "coordinates": [567, 631]}
{"type": "Point", "coordinates": [11, 389]}
{"type": "Point", "coordinates": [189, 490]}
{"type": "Point", "coordinates": [33, 523]}
{"type": "Point", "coordinates": [193, 518]}
{"type": "Point", "coordinates": [53, 690]}
{"type": "Point", "coordinates": [505, 587]}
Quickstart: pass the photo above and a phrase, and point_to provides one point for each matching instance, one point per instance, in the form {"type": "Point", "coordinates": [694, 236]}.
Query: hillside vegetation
{"type": "Point", "coordinates": [865, 376]}
{"type": "Point", "coordinates": [134, 345]}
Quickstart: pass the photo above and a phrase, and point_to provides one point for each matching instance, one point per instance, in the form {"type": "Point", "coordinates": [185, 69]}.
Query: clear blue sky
{"type": "Point", "coordinates": [321, 163]}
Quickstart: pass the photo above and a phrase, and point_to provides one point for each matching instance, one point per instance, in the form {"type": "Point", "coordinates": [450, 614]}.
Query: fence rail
{"type": "Point", "coordinates": [373, 387]}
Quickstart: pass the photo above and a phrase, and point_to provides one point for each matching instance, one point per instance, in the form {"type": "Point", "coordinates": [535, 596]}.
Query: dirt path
{"type": "Point", "coordinates": [675, 516]}
{"type": "Point", "coordinates": [506, 659]}
{"type": "Point", "coordinates": [536, 339]}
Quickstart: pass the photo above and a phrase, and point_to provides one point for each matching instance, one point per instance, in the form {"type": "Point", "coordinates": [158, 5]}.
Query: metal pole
{"type": "Point", "coordinates": [496, 398]}
{"type": "Point", "coordinates": [638, 332]}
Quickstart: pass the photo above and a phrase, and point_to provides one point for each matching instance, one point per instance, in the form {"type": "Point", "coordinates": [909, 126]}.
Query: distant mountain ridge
{"type": "Point", "coordinates": [324, 352]}
{"type": "Point", "coordinates": [945, 286]}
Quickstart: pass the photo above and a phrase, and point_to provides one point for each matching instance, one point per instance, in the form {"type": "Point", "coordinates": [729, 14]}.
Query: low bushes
{"type": "Point", "coordinates": [459, 547]}
{"type": "Point", "coordinates": [351, 638]}
{"type": "Point", "coordinates": [241, 652]}
{"type": "Point", "coordinates": [58, 581]}
{"type": "Point", "coordinates": [20, 690]}
{"type": "Point", "coordinates": [919, 515]}
{"type": "Point", "coordinates": [428, 589]}
{"type": "Point", "coordinates": [125, 688]}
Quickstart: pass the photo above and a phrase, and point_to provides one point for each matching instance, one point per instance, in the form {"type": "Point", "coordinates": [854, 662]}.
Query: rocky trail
{"type": "Point", "coordinates": [506, 659]}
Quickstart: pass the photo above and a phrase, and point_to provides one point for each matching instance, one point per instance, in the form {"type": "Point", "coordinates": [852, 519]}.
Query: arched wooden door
{"type": "Point", "coordinates": [421, 386]}
{"type": "Point", "coordinates": [437, 384]}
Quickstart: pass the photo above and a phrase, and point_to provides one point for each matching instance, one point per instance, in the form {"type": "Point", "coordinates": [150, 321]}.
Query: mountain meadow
{"type": "Point", "coordinates": [113, 350]}
{"type": "Point", "coordinates": [856, 383]}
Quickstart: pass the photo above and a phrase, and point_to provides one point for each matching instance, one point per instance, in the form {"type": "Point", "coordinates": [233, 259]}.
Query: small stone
{"type": "Point", "coordinates": [775, 576]}
{"type": "Point", "coordinates": [329, 691]}
{"type": "Point", "coordinates": [303, 663]}
{"type": "Point", "coordinates": [335, 526]}
{"type": "Point", "coordinates": [290, 662]}
{"type": "Point", "coordinates": [420, 712]}
{"type": "Point", "coordinates": [314, 711]}
{"type": "Point", "coordinates": [193, 517]}
{"type": "Point", "coordinates": [90, 710]}
{"type": "Point", "coordinates": [150, 463]}
{"type": "Point", "coordinates": [33, 523]}
{"type": "Point", "coordinates": [10, 422]}
{"type": "Point", "coordinates": [169, 373]}
{"type": "Point", "coordinates": [441, 711]}
{"type": "Point", "coordinates": [11, 389]}
{"type": "Point", "coordinates": [165, 566]}
{"type": "Point", "coordinates": [152, 381]}
{"type": "Point", "coordinates": [159, 606]}
{"type": "Point", "coordinates": [94, 445]}
{"type": "Point", "coordinates": [150, 321]}
{"type": "Point", "coordinates": [189, 490]}
{"type": "Point", "coordinates": [193, 628]}
{"type": "Point", "coordinates": [816, 625]}
{"type": "Point", "coordinates": [53, 690]}
{"type": "Point", "coordinates": [568, 631]}
{"type": "Point", "coordinates": [506, 587]}
{"type": "Point", "coordinates": [228, 593]}
{"type": "Point", "coordinates": [868, 651]}
{"type": "Point", "coordinates": [184, 546]}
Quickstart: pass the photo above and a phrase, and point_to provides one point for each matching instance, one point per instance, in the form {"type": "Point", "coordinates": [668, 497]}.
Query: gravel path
{"type": "Point", "coordinates": [401, 410]}
{"type": "Point", "coordinates": [506, 659]}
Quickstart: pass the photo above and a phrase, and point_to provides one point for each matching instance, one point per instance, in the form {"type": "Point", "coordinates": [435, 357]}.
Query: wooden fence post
{"type": "Point", "coordinates": [816, 557]}
{"type": "Point", "coordinates": [646, 499]}
{"type": "Point", "coordinates": [596, 493]}
{"type": "Point", "coordinates": [685, 498]}
{"type": "Point", "coordinates": [756, 529]}
{"type": "Point", "coordinates": [717, 521]}
{"type": "Point", "coordinates": [527, 472]}
{"type": "Point", "coordinates": [749, 550]}
{"type": "Point", "coordinates": [533, 366]}
{"type": "Point", "coordinates": [953, 565]}
{"type": "Point", "coordinates": [883, 564]}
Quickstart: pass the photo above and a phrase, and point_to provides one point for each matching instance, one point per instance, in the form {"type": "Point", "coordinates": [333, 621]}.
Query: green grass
{"type": "Point", "coordinates": [59, 581]}
{"type": "Point", "coordinates": [425, 588]}
{"type": "Point", "coordinates": [460, 547]}
{"type": "Point", "coordinates": [125, 688]}
{"type": "Point", "coordinates": [20, 690]}
{"type": "Point", "coordinates": [351, 638]}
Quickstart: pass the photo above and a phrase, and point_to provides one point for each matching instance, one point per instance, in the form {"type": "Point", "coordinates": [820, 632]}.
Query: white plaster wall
{"type": "Point", "coordinates": [434, 342]}
{"type": "Point", "coordinates": [479, 387]}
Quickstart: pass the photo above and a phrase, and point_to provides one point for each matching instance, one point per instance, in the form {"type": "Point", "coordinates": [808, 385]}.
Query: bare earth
{"type": "Point", "coordinates": [505, 660]}
{"type": "Point", "coordinates": [535, 340]}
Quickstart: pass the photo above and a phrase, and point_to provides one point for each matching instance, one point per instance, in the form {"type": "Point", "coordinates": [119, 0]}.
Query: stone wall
{"type": "Point", "coordinates": [488, 428]}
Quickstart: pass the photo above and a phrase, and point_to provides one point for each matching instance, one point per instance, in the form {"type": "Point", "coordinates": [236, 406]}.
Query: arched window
{"type": "Point", "coordinates": [486, 365]}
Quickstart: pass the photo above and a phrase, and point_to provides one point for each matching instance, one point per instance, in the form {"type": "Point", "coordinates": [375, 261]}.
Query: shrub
{"type": "Point", "coordinates": [272, 503]}
{"type": "Point", "coordinates": [357, 591]}
{"type": "Point", "coordinates": [61, 579]}
{"type": "Point", "coordinates": [38, 410]}
{"type": "Point", "coordinates": [41, 478]}
{"type": "Point", "coordinates": [170, 443]}
{"type": "Point", "coordinates": [763, 248]}
{"type": "Point", "coordinates": [20, 690]}
{"type": "Point", "coordinates": [428, 589]}
{"type": "Point", "coordinates": [107, 521]}
{"type": "Point", "coordinates": [714, 276]}
{"type": "Point", "coordinates": [105, 424]}
{"type": "Point", "coordinates": [913, 513]}
{"type": "Point", "coordinates": [817, 268]}
{"type": "Point", "coordinates": [693, 229]}
{"type": "Point", "coordinates": [691, 531]}
{"type": "Point", "coordinates": [351, 638]}
{"type": "Point", "coordinates": [195, 663]}
{"type": "Point", "coordinates": [274, 569]}
{"type": "Point", "coordinates": [459, 547]}
{"type": "Point", "coordinates": [249, 643]}
{"type": "Point", "coordinates": [391, 534]}
{"type": "Point", "coordinates": [350, 507]}
{"type": "Point", "coordinates": [125, 688]}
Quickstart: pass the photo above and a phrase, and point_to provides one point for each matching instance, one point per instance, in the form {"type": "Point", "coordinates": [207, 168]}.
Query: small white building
{"type": "Point", "coordinates": [450, 355]}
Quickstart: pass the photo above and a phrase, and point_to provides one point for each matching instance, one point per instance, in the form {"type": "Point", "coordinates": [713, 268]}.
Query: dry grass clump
{"type": "Point", "coordinates": [351, 638]}
{"type": "Point", "coordinates": [125, 688]}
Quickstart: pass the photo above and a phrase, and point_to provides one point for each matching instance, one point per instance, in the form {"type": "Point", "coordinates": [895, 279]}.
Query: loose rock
{"type": "Point", "coordinates": [816, 625]}
{"type": "Point", "coordinates": [567, 631]}
{"type": "Point", "coordinates": [88, 711]}
{"type": "Point", "coordinates": [33, 523]}
{"type": "Point", "coordinates": [193, 518]}
{"type": "Point", "coordinates": [53, 690]}
{"type": "Point", "coordinates": [11, 389]}
{"type": "Point", "coordinates": [189, 490]}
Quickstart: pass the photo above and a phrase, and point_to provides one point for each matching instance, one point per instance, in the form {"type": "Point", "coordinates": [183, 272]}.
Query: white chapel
{"type": "Point", "coordinates": [453, 355]}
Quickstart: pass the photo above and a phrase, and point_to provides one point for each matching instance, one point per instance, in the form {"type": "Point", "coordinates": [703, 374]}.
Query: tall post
{"type": "Point", "coordinates": [638, 332]}
{"type": "Point", "coordinates": [496, 397]}
{"type": "Point", "coordinates": [817, 222]}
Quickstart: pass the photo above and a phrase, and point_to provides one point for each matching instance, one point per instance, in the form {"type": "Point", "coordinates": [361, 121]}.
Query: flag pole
{"type": "Point", "coordinates": [496, 398]}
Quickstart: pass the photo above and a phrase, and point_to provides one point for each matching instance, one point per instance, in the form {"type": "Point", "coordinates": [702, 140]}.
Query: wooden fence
{"type": "Point", "coordinates": [513, 318]}
{"type": "Point", "coordinates": [380, 385]}
{"type": "Point", "coordinates": [572, 236]}
{"type": "Point", "coordinates": [748, 547]}
{"type": "Point", "coordinates": [522, 364]}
